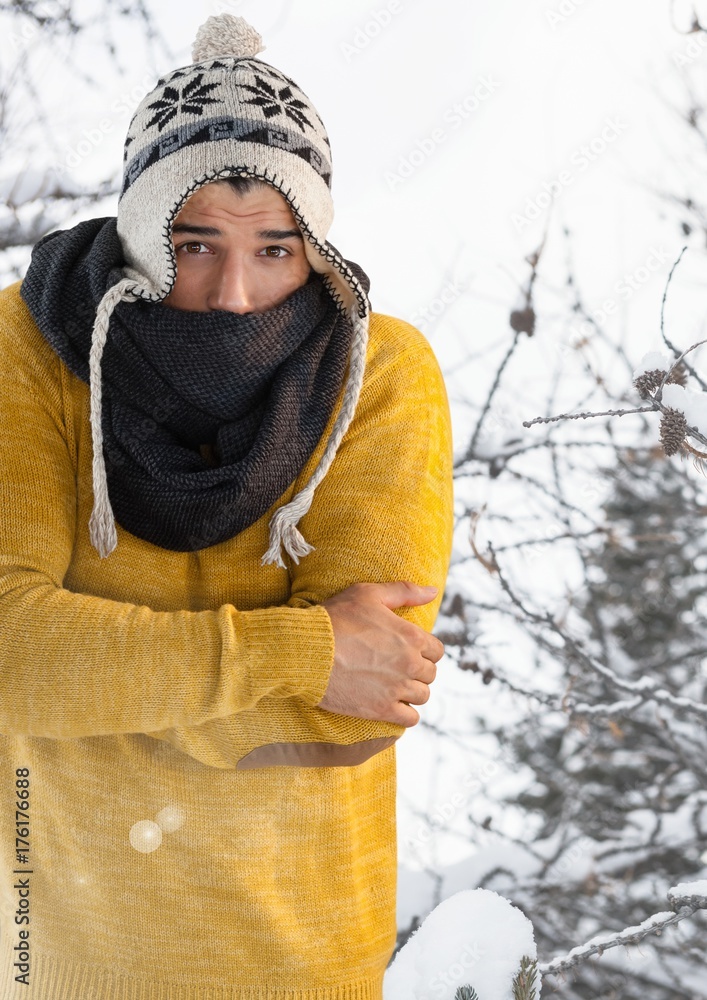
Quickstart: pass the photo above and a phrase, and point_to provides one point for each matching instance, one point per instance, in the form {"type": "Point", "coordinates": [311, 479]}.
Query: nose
{"type": "Point", "coordinates": [232, 290]}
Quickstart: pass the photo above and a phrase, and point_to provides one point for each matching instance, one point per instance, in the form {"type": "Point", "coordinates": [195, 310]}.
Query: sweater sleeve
{"type": "Point", "coordinates": [75, 665]}
{"type": "Point", "coordinates": [384, 512]}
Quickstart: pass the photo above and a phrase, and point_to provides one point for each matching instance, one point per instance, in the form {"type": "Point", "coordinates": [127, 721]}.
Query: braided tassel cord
{"type": "Point", "coordinates": [101, 525]}
{"type": "Point", "coordinates": [283, 524]}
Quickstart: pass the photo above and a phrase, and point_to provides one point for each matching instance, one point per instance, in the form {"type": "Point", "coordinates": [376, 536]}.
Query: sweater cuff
{"type": "Point", "coordinates": [289, 652]}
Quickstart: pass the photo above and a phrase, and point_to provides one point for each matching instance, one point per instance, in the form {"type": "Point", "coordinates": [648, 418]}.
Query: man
{"type": "Point", "coordinates": [224, 483]}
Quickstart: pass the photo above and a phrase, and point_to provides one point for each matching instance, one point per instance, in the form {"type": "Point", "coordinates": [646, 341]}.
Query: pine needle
{"type": "Point", "coordinates": [524, 984]}
{"type": "Point", "coordinates": [698, 459]}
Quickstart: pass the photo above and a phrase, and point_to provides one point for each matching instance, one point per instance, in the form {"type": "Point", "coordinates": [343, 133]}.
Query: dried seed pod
{"type": "Point", "coordinates": [523, 320]}
{"type": "Point", "coordinates": [647, 383]}
{"type": "Point", "coordinates": [678, 375]}
{"type": "Point", "coordinates": [673, 428]}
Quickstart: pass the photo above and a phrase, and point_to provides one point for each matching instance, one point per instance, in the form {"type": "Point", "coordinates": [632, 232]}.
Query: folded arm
{"type": "Point", "coordinates": [383, 513]}
{"type": "Point", "coordinates": [75, 665]}
{"type": "Point", "coordinates": [232, 688]}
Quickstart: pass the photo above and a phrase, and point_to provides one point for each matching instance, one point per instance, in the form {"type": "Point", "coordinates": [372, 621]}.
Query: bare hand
{"type": "Point", "coordinates": [382, 662]}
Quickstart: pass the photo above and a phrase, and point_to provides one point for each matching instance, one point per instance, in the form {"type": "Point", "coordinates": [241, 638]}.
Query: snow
{"type": "Point", "coordinates": [474, 938]}
{"type": "Point", "coordinates": [653, 361]}
{"type": "Point", "coordinates": [692, 404]}
{"type": "Point", "coordinates": [688, 892]}
{"type": "Point", "coordinates": [33, 185]}
{"type": "Point", "coordinates": [601, 942]}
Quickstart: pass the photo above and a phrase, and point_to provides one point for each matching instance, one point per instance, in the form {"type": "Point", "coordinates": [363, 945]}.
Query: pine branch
{"type": "Point", "coordinates": [524, 984]}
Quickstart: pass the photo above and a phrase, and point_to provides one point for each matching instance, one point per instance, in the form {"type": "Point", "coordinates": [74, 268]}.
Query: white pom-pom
{"type": "Point", "coordinates": [226, 35]}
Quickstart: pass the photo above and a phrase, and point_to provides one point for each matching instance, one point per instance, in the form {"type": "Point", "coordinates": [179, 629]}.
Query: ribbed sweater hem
{"type": "Point", "coordinates": [52, 978]}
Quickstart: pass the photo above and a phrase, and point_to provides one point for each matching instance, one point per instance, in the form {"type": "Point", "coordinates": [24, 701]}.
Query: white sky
{"type": "Point", "coordinates": [549, 83]}
{"type": "Point", "coordinates": [386, 78]}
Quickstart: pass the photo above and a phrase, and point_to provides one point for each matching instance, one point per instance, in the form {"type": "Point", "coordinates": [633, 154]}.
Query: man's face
{"type": "Point", "coordinates": [240, 252]}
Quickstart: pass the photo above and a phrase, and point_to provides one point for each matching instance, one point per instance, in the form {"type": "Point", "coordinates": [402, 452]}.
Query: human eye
{"type": "Point", "coordinates": [274, 251]}
{"type": "Point", "coordinates": [193, 247]}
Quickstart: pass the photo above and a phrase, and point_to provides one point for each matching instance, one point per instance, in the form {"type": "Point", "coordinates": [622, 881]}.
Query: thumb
{"type": "Point", "coordinates": [403, 594]}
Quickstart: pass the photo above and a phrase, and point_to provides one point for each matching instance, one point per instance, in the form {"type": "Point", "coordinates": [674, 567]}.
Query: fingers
{"type": "Point", "coordinates": [418, 693]}
{"type": "Point", "coordinates": [403, 594]}
{"type": "Point", "coordinates": [383, 664]}
{"type": "Point", "coordinates": [432, 648]}
{"type": "Point", "coordinates": [406, 716]}
{"type": "Point", "coordinates": [426, 672]}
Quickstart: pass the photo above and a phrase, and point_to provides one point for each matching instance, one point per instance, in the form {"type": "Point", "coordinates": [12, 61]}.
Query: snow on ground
{"type": "Point", "coordinates": [474, 938]}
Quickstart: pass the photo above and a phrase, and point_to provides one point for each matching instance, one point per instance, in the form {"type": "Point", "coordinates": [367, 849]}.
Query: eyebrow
{"type": "Point", "coordinates": [264, 234]}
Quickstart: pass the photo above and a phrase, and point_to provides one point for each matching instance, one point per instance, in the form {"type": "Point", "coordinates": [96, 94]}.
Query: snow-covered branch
{"type": "Point", "coordinates": [686, 899]}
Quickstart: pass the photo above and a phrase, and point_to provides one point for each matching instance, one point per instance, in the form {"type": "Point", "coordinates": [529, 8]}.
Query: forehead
{"type": "Point", "coordinates": [219, 198]}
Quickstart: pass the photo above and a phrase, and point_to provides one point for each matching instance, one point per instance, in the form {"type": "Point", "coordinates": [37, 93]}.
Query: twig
{"type": "Point", "coordinates": [663, 334]}
{"type": "Point", "coordinates": [489, 398]}
{"type": "Point", "coordinates": [607, 711]}
{"type": "Point", "coordinates": [525, 542]}
{"type": "Point", "coordinates": [474, 519]}
{"type": "Point", "coordinates": [659, 391]}
{"type": "Point", "coordinates": [586, 414]}
{"type": "Point", "coordinates": [645, 688]}
{"type": "Point", "coordinates": [657, 406]}
{"type": "Point", "coordinates": [631, 935]}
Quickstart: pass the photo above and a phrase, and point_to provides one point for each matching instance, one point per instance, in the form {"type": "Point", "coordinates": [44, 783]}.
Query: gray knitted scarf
{"type": "Point", "coordinates": [207, 417]}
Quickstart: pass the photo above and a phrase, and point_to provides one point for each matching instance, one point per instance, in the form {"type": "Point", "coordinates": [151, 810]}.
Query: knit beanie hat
{"type": "Point", "coordinates": [228, 114]}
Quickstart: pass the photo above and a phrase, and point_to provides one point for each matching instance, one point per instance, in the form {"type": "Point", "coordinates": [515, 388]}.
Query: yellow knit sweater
{"type": "Point", "coordinates": [197, 828]}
